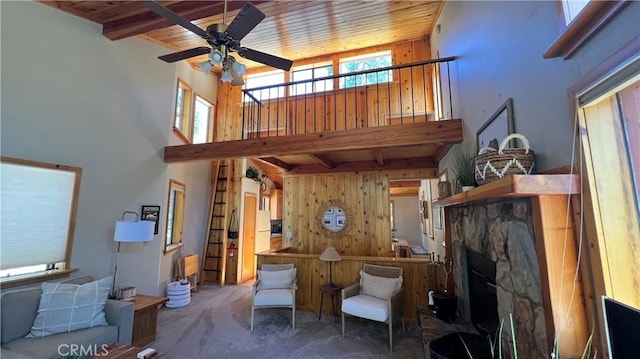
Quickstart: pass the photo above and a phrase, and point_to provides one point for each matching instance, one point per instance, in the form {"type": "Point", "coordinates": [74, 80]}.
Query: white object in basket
{"type": "Point", "coordinates": [179, 294]}
{"type": "Point", "coordinates": [491, 165]}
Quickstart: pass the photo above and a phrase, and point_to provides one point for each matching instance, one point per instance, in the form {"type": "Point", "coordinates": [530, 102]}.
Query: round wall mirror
{"type": "Point", "coordinates": [334, 219]}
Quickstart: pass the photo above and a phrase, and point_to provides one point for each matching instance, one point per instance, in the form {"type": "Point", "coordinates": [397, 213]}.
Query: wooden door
{"type": "Point", "coordinates": [249, 236]}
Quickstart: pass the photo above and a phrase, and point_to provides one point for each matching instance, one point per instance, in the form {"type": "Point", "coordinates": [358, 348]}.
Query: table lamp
{"type": "Point", "coordinates": [330, 255]}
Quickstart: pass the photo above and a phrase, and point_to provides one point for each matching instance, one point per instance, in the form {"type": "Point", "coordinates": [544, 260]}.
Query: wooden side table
{"type": "Point", "coordinates": [333, 291]}
{"type": "Point", "coordinates": [145, 319]}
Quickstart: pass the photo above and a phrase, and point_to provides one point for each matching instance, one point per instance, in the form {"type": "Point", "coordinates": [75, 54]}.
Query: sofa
{"type": "Point", "coordinates": [18, 312]}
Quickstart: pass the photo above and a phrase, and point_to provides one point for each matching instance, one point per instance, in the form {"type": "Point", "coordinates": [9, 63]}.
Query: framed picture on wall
{"type": "Point", "coordinates": [151, 213]}
{"type": "Point", "coordinates": [498, 126]}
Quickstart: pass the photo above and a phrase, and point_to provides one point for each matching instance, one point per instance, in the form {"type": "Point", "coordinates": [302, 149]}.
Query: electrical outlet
{"type": "Point", "coordinates": [288, 235]}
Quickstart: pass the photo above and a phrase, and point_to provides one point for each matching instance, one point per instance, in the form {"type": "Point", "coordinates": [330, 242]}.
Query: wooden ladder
{"type": "Point", "coordinates": [215, 243]}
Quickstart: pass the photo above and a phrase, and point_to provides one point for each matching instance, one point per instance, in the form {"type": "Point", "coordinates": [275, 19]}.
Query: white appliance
{"type": "Point", "coordinates": [263, 231]}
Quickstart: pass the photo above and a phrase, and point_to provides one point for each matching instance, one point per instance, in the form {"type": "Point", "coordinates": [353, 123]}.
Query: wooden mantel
{"type": "Point", "coordinates": [555, 235]}
{"type": "Point", "coordinates": [518, 186]}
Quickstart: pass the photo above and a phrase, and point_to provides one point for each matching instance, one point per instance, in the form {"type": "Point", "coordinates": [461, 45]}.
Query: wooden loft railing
{"type": "Point", "coordinates": [400, 94]}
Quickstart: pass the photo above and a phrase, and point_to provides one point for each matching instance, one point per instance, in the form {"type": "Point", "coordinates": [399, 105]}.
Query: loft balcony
{"type": "Point", "coordinates": [380, 119]}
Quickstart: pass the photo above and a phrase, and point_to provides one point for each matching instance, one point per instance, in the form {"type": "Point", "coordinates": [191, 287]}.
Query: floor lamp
{"type": "Point", "coordinates": [130, 231]}
{"type": "Point", "coordinates": [330, 255]}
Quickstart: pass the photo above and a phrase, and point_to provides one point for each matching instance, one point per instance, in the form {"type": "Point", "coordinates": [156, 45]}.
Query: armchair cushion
{"type": "Point", "coordinates": [273, 297]}
{"type": "Point", "coordinates": [281, 279]}
{"type": "Point", "coordinates": [367, 307]}
{"type": "Point", "coordinates": [379, 287]}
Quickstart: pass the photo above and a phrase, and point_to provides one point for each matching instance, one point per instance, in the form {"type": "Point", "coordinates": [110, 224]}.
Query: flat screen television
{"type": "Point", "coordinates": [622, 323]}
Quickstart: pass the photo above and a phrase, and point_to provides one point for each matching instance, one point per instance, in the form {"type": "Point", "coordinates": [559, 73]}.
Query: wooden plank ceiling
{"type": "Point", "coordinates": [292, 29]}
{"type": "Point", "coordinates": [296, 30]}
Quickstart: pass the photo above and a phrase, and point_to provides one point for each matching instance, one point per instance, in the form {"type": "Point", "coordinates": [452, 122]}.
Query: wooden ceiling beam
{"type": "Point", "coordinates": [379, 158]}
{"type": "Point", "coordinates": [276, 162]}
{"type": "Point", "coordinates": [140, 23]}
{"type": "Point", "coordinates": [449, 131]}
{"type": "Point", "coordinates": [324, 160]}
{"type": "Point", "coordinates": [404, 191]}
{"type": "Point", "coordinates": [403, 183]}
{"type": "Point", "coordinates": [423, 163]}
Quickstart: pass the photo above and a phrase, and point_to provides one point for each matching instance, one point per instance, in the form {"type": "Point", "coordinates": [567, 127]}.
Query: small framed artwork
{"type": "Point", "coordinates": [437, 217]}
{"type": "Point", "coordinates": [497, 127]}
{"type": "Point", "coordinates": [151, 213]}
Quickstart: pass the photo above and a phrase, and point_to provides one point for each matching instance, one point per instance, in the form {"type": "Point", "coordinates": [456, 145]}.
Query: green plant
{"type": "Point", "coordinates": [464, 167]}
{"type": "Point", "coordinates": [253, 173]}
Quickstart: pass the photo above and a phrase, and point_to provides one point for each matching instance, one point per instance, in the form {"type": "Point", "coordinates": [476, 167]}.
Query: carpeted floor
{"type": "Point", "coordinates": [216, 325]}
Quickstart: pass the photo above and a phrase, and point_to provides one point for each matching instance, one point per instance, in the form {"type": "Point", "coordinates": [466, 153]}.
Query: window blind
{"type": "Point", "coordinates": [35, 211]}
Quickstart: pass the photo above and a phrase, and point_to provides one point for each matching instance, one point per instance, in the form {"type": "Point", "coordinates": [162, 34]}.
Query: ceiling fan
{"type": "Point", "coordinates": [223, 40]}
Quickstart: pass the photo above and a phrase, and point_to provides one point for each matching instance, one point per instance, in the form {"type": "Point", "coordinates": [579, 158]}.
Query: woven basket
{"type": "Point", "coordinates": [492, 165]}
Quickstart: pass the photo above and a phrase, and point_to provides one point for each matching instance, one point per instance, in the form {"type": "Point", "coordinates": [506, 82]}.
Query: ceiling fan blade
{"type": "Point", "coordinates": [248, 18]}
{"type": "Point", "coordinates": [175, 18]}
{"type": "Point", "coordinates": [270, 60]}
{"type": "Point", "coordinates": [181, 55]}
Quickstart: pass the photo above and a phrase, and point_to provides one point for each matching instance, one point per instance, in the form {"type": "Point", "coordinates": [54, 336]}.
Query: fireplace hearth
{"type": "Point", "coordinates": [496, 272]}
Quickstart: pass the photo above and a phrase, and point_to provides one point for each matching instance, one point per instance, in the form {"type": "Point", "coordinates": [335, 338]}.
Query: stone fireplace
{"type": "Point", "coordinates": [501, 233]}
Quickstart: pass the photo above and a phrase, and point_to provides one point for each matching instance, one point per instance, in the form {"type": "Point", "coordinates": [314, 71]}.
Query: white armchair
{"type": "Point", "coordinates": [378, 296]}
{"type": "Point", "coordinates": [275, 288]}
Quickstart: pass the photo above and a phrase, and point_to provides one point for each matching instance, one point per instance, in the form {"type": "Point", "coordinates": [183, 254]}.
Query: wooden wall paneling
{"type": "Point", "coordinates": [564, 308]}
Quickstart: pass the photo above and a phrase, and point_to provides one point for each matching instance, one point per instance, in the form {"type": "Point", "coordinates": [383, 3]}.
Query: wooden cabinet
{"type": "Point", "coordinates": [276, 203]}
{"type": "Point", "coordinates": [276, 242]}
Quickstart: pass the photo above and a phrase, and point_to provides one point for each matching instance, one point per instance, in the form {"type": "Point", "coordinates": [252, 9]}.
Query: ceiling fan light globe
{"type": "Point", "coordinates": [216, 57]}
{"type": "Point", "coordinates": [206, 66]}
{"type": "Point", "coordinates": [239, 68]}
{"type": "Point", "coordinates": [226, 76]}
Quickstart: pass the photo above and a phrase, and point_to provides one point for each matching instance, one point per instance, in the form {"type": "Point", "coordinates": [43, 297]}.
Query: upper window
{"type": "Point", "coordinates": [202, 121]}
{"type": "Point", "coordinates": [571, 9]}
{"type": "Point", "coordinates": [366, 62]}
{"type": "Point", "coordinates": [193, 117]}
{"type": "Point", "coordinates": [182, 123]}
{"type": "Point", "coordinates": [311, 72]}
{"type": "Point", "coordinates": [265, 79]}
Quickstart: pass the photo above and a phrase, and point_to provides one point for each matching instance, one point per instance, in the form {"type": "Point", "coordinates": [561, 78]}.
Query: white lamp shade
{"type": "Point", "coordinates": [127, 231]}
{"type": "Point", "coordinates": [330, 255]}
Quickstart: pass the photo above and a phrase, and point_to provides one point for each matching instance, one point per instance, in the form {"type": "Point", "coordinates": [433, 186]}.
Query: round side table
{"type": "Point", "coordinates": [332, 290]}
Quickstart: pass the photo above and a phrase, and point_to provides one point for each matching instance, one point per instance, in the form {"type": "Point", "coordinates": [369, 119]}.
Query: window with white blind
{"type": "Point", "coordinates": [37, 212]}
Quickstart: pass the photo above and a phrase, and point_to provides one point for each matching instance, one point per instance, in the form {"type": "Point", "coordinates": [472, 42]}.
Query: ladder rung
{"type": "Point", "coordinates": [221, 190]}
{"type": "Point", "coordinates": [219, 202]}
{"type": "Point", "coordinates": [217, 229]}
{"type": "Point", "coordinates": [212, 270]}
{"type": "Point", "coordinates": [222, 178]}
{"type": "Point", "coordinates": [214, 256]}
{"type": "Point", "coordinates": [218, 215]}
{"type": "Point", "coordinates": [215, 242]}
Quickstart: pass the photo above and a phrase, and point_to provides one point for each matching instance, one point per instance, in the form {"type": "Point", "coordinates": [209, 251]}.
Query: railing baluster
{"type": "Point", "coordinates": [449, 82]}
{"type": "Point", "coordinates": [378, 96]}
{"type": "Point", "coordinates": [413, 104]}
{"type": "Point", "coordinates": [426, 105]}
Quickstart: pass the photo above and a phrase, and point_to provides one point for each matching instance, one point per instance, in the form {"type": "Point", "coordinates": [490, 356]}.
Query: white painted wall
{"type": "Point", "coordinates": [500, 46]}
{"type": "Point", "coordinates": [71, 96]}
{"type": "Point", "coordinates": [407, 219]}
